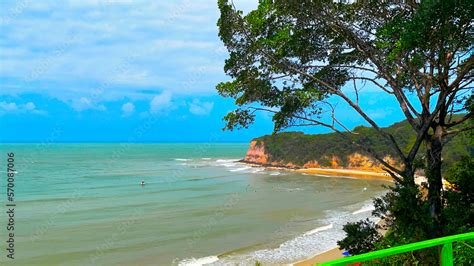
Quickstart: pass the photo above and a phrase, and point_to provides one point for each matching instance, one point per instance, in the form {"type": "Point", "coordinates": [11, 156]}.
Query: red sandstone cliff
{"type": "Point", "coordinates": [256, 154]}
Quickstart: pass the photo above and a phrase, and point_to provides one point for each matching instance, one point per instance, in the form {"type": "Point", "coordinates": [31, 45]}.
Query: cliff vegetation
{"type": "Point", "coordinates": [297, 149]}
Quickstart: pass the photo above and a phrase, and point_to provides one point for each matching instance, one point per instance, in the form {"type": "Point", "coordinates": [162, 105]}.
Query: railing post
{"type": "Point", "coordinates": [447, 254]}
{"type": "Point", "coordinates": [445, 243]}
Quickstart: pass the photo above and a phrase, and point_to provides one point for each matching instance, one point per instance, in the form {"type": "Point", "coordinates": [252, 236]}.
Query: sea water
{"type": "Point", "coordinates": [83, 204]}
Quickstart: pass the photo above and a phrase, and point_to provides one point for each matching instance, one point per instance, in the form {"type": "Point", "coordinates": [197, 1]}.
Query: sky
{"type": "Point", "coordinates": [119, 70]}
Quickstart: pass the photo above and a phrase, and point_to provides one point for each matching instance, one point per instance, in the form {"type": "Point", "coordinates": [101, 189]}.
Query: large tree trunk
{"type": "Point", "coordinates": [434, 147]}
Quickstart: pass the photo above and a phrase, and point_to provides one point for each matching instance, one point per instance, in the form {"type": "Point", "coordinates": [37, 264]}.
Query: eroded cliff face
{"type": "Point", "coordinates": [256, 154]}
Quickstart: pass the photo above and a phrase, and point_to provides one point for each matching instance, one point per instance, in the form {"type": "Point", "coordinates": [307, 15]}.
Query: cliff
{"type": "Point", "coordinates": [256, 154]}
{"type": "Point", "coordinates": [299, 150]}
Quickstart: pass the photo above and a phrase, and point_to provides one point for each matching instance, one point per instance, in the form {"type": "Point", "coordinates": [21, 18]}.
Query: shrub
{"type": "Point", "coordinates": [361, 237]}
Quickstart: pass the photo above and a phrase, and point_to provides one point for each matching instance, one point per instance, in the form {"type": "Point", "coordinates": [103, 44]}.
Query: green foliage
{"type": "Point", "coordinates": [294, 54]}
{"type": "Point", "coordinates": [459, 210]}
{"type": "Point", "coordinates": [240, 118]}
{"type": "Point", "coordinates": [462, 174]}
{"type": "Point", "coordinates": [299, 148]}
{"type": "Point", "coordinates": [290, 56]}
{"type": "Point", "coordinates": [361, 237]}
{"type": "Point", "coordinates": [463, 253]}
{"type": "Point", "coordinates": [427, 256]}
{"type": "Point", "coordinates": [460, 146]}
{"type": "Point", "coordinates": [406, 213]}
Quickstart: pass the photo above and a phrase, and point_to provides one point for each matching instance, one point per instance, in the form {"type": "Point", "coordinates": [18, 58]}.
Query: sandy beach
{"type": "Point", "coordinates": [347, 172]}
{"type": "Point", "coordinates": [335, 253]}
{"type": "Point", "coordinates": [332, 254]}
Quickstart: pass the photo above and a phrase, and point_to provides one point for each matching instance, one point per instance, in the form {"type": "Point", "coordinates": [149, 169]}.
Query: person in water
{"type": "Point", "coordinates": [142, 183]}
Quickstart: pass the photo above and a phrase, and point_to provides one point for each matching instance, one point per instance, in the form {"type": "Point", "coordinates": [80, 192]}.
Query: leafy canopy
{"type": "Point", "coordinates": [289, 56]}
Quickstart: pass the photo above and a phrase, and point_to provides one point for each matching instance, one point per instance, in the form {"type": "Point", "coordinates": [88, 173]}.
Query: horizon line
{"type": "Point", "coordinates": [115, 142]}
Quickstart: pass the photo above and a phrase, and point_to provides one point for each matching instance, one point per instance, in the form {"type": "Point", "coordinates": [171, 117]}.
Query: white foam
{"type": "Point", "coordinates": [240, 169]}
{"type": "Point", "coordinates": [226, 160]}
{"type": "Point", "coordinates": [206, 159]}
{"type": "Point", "coordinates": [304, 245]}
{"type": "Point", "coordinates": [364, 209]}
{"type": "Point", "coordinates": [198, 261]}
{"type": "Point", "coordinates": [229, 164]}
{"type": "Point", "coordinates": [257, 170]}
{"type": "Point", "coordinates": [275, 173]}
{"type": "Point", "coordinates": [182, 160]}
{"type": "Point", "coordinates": [319, 229]}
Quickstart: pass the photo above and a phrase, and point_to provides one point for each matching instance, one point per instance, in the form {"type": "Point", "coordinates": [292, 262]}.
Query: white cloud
{"type": "Point", "coordinates": [128, 109]}
{"type": "Point", "coordinates": [12, 107]}
{"type": "Point", "coordinates": [160, 102]}
{"type": "Point", "coordinates": [30, 106]}
{"type": "Point", "coordinates": [84, 103]}
{"type": "Point", "coordinates": [8, 107]}
{"type": "Point", "coordinates": [181, 44]}
{"type": "Point", "coordinates": [85, 42]}
{"type": "Point", "coordinates": [200, 108]}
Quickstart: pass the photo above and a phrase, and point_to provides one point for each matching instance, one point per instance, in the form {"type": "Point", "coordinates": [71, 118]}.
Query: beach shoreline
{"type": "Point", "coordinates": [371, 174]}
{"type": "Point", "coordinates": [374, 174]}
{"type": "Point", "coordinates": [328, 255]}
{"type": "Point", "coordinates": [333, 253]}
{"type": "Point", "coordinates": [354, 173]}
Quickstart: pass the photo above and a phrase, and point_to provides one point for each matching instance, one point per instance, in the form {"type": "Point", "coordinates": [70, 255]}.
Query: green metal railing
{"type": "Point", "coordinates": [446, 251]}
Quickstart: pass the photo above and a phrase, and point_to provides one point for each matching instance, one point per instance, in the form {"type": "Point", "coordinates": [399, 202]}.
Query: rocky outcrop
{"type": "Point", "coordinates": [312, 164]}
{"type": "Point", "coordinates": [256, 154]}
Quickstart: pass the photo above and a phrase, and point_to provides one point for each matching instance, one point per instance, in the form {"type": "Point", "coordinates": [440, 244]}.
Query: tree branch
{"type": "Point", "coordinates": [458, 130]}
{"type": "Point", "coordinates": [466, 67]}
{"type": "Point", "coordinates": [459, 121]}
{"type": "Point", "coordinates": [368, 51]}
{"type": "Point", "coordinates": [363, 147]}
{"type": "Point", "coordinates": [386, 135]}
{"type": "Point", "coordinates": [375, 82]}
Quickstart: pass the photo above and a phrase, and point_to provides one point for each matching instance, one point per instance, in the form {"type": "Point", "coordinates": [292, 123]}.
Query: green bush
{"type": "Point", "coordinates": [361, 237]}
{"type": "Point", "coordinates": [409, 221]}
{"type": "Point", "coordinates": [463, 253]}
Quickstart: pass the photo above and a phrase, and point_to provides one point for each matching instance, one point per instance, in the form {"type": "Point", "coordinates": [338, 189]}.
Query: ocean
{"type": "Point", "coordinates": [83, 204]}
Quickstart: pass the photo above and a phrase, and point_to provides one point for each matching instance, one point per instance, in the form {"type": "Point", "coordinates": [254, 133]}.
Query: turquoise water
{"type": "Point", "coordinates": [82, 204]}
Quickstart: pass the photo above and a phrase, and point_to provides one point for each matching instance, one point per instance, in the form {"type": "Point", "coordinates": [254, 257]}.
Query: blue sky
{"type": "Point", "coordinates": [124, 71]}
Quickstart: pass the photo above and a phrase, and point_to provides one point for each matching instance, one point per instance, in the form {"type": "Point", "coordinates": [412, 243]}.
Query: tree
{"type": "Point", "coordinates": [289, 57]}
{"type": "Point", "coordinates": [362, 236]}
